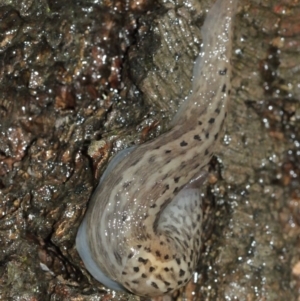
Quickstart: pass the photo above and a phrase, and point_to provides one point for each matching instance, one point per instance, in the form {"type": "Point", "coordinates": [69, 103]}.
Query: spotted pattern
{"type": "Point", "coordinates": [143, 224]}
{"type": "Point", "coordinates": [197, 137]}
{"type": "Point", "coordinates": [183, 143]}
{"type": "Point", "coordinates": [223, 72]}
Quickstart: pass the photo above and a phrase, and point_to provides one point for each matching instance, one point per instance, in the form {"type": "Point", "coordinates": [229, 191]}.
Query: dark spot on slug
{"type": "Point", "coordinates": [139, 246]}
{"type": "Point", "coordinates": [153, 206]}
{"type": "Point", "coordinates": [169, 289]}
{"type": "Point", "coordinates": [157, 253]}
{"type": "Point", "coordinates": [176, 179]}
{"type": "Point", "coordinates": [197, 137]}
{"type": "Point", "coordinates": [186, 280]}
{"type": "Point", "coordinates": [198, 217]}
{"type": "Point", "coordinates": [225, 114]}
{"type": "Point", "coordinates": [136, 269]}
{"type": "Point", "coordinates": [147, 249]}
{"type": "Point", "coordinates": [179, 282]}
{"type": "Point", "coordinates": [166, 188]}
{"type": "Point", "coordinates": [207, 135]}
{"type": "Point", "coordinates": [196, 165]}
{"type": "Point", "coordinates": [124, 273]}
{"type": "Point", "coordinates": [206, 152]}
{"type": "Point", "coordinates": [167, 151]}
{"type": "Point", "coordinates": [166, 257]}
{"type": "Point", "coordinates": [181, 273]}
{"type": "Point", "coordinates": [144, 275]}
{"type": "Point", "coordinates": [183, 143]}
{"type": "Point", "coordinates": [175, 190]}
{"type": "Point", "coordinates": [199, 123]}
{"type": "Point", "coordinates": [178, 261]}
{"type": "Point", "coordinates": [167, 283]}
{"type": "Point", "coordinates": [130, 255]}
{"type": "Point", "coordinates": [211, 120]}
{"type": "Point", "coordinates": [224, 88]}
{"type": "Point", "coordinates": [158, 147]}
{"type": "Point", "coordinates": [161, 243]}
{"type": "Point", "coordinates": [217, 110]}
{"type": "Point", "coordinates": [166, 269]}
{"type": "Point", "coordinates": [229, 91]}
{"type": "Point", "coordinates": [151, 269]}
{"type": "Point", "coordinates": [144, 261]}
{"type": "Point", "coordinates": [135, 281]}
{"type": "Point", "coordinates": [223, 72]}
{"type": "Point", "coordinates": [216, 136]}
{"type": "Point", "coordinates": [154, 284]}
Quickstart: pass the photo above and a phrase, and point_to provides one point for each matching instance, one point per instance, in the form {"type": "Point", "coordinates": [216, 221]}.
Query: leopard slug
{"type": "Point", "coordinates": [142, 229]}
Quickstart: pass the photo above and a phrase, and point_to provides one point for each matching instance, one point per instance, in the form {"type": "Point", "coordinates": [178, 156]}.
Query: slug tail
{"type": "Point", "coordinates": [167, 262]}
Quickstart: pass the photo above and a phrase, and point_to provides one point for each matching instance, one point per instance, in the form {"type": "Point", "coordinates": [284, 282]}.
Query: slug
{"type": "Point", "coordinates": [142, 229]}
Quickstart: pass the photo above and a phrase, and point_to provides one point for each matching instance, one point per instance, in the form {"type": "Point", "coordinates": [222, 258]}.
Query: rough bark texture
{"type": "Point", "coordinates": [81, 80]}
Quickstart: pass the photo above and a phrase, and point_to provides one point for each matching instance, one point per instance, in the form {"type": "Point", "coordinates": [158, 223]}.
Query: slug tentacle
{"type": "Point", "coordinates": [142, 230]}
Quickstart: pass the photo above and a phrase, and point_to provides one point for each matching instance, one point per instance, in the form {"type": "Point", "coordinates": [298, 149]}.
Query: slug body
{"type": "Point", "coordinates": [142, 230]}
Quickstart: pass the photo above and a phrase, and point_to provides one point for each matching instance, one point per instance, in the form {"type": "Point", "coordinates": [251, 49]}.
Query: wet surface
{"type": "Point", "coordinates": [82, 79]}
